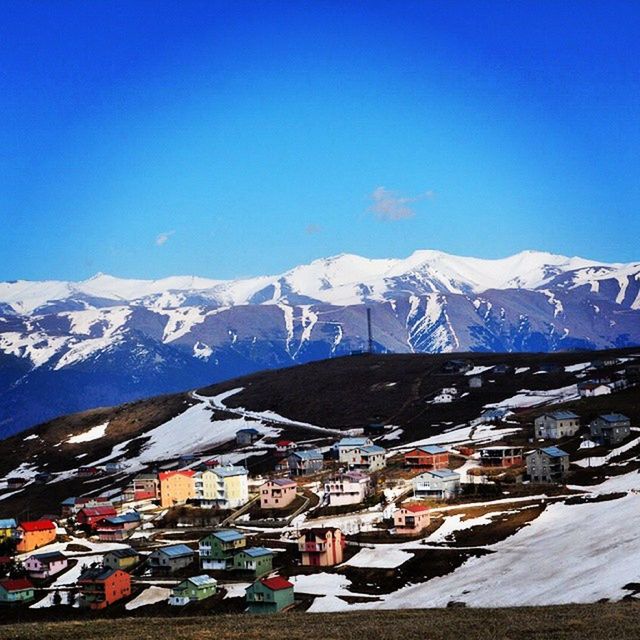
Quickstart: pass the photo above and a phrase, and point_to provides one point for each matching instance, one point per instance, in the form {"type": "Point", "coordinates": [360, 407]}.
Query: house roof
{"type": "Point", "coordinates": [163, 475]}
{"type": "Point", "coordinates": [98, 511]}
{"type": "Point", "coordinates": [176, 550]}
{"type": "Point", "coordinates": [277, 583]}
{"type": "Point", "coordinates": [563, 415]}
{"type": "Point", "coordinates": [308, 454]}
{"type": "Point", "coordinates": [69, 502]}
{"type": "Point", "coordinates": [432, 449]}
{"type": "Point", "coordinates": [37, 525]}
{"type": "Point", "coordinates": [415, 508]}
{"type": "Point", "coordinates": [124, 518]}
{"type": "Point", "coordinates": [94, 574]}
{"type": "Point", "coordinates": [230, 471]}
{"type": "Point", "coordinates": [51, 556]}
{"type": "Point", "coordinates": [284, 443]}
{"type": "Point", "coordinates": [17, 584]}
{"type": "Point", "coordinates": [373, 448]}
{"type": "Point", "coordinates": [257, 552]}
{"type": "Point", "coordinates": [8, 523]}
{"type": "Point", "coordinates": [445, 474]}
{"type": "Point", "coordinates": [283, 482]}
{"type": "Point", "coordinates": [614, 417]}
{"type": "Point", "coordinates": [319, 532]}
{"type": "Point", "coordinates": [227, 535]}
{"type": "Point", "coordinates": [123, 553]}
{"type": "Point", "coordinates": [353, 442]}
{"type": "Point", "coordinates": [146, 476]}
{"type": "Point", "coordinates": [555, 452]}
{"type": "Point", "coordinates": [202, 581]}
{"type": "Point", "coordinates": [251, 431]}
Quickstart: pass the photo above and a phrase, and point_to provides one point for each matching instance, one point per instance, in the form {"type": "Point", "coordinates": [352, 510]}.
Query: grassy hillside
{"type": "Point", "coordinates": [574, 622]}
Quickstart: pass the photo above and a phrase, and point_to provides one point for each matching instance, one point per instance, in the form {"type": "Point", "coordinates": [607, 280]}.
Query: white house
{"type": "Point", "coordinates": [344, 447]}
{"type": "Point", "coordinates": [446, 395]}
{"type": "Point", "coordinates": [440, 483]}
{"type": "Point", "coordinates": [371, 458]}
{"type": "Point", "coordinates": [593, 389]}
{"type": "Point", "coordinates": [556, 424]}
{"type": "Point", "coordinates": [349, 488]}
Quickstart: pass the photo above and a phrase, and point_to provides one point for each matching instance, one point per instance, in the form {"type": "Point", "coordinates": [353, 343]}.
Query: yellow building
{"type": "Point", "coordinates": [224, 487]}
{"type": "Point", "coordinates": [7, 528]}
{"type": "Point", "coordinates": [176, 487]}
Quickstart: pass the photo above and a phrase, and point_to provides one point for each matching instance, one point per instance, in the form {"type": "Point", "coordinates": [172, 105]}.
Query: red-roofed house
{"type": "Point", "coordinates": [90, 516]}
{"type": "Point", "coordinates": [34, 534]}
{"type": "Point", "coordinates": [321, 547]}
{"type": "Point", "coordinates": [284, 447]}
{"type": "Point", "coordinates": [411, 520]}
{"type": "Point", "coordinates": [269, 595]}
{"type": "Point", "coordinates": [16, 591]}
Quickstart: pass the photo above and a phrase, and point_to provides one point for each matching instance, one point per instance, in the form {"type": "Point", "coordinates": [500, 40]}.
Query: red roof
{"type": "Point", "coordinates": [16, 585]}
{"type": "Point", "coordinates": [163, 475]}
{"type": "Point", "coordinates": [37, 525]}
{"type": "Point", "coordinates": [415, 508]}
{"type": "Point", "coordinates": [276, 583]}
{"type": "Point", "coordinates": [283, 443]}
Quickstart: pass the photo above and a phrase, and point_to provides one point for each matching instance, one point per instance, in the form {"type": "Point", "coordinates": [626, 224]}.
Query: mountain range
{"type": "Point", "coordinates": [69, 346]}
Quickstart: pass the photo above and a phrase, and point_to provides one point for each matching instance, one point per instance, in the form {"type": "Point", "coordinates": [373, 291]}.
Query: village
{"type": "Point", "coordinates": [196, 532]}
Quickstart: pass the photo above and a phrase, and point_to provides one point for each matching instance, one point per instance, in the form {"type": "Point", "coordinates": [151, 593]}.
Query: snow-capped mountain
{"type": "Point", "coordinates": [66, 346]}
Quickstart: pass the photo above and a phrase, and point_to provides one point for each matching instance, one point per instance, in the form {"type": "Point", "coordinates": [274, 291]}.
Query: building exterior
{"type": "Point", "coordinates": [457, 366]}
{"type": "Point", "coordinates": [176, 487]}
{"type": "Point", "coordinates": [257, 560]}
{"type": "Point", "coordinates": [593, 389]}
{"type": "Point", "coordinates": [16, 483]}
{"type": "Point", "coordinates": [121, 559]}
{"type": "Point", "coordinates": [169, 559]}
{"type": "Point", "coordinates": [344, 447]}
{"type": "Point", "coordinates": [371, 458]}
{"type": "Point", "coordinates": [118, 527]}
{"type": "Point", "coordinates": [16, 591]}
{"type": "Point", "coordinates": [446, 395]}
{"type": "Point", "coordinates": [321, 547]}
{"type": "Point", "coordinates": [34, 534]}
{"type": "Point", "coordinates": [475, 382]}
{"type": "Point", "coordinates": [71, 506]}
{"type": "Point", "coordinates": [284, 447]}
{"type": "Point", "coordinates": [88, 472]}
{"type": "Point", "coordinates": [556, 425]}
{"type": "Point", "coordinates": [217, 549]}
{"type": "Point", "coordinates": [610, 429]}
{"type": "Point", "coordinates": [439, 483]}
{"type": "Point", "coordinates": [269, 595]}
{"type": "Point", "coordinates": [428, 457]}
{"type": "Point", "coordinates": [352, 487]}
{"type": "Point", "coordinates": [146, 486]}
{"type": "Point", "coordinates": [193, 589]}
{"type": "Point", "coordinates": [549, 464]}
{"type": "Point", "coordinates": [278, 493]}
{"type": "Point", "coordinates": [305, 462]}
{"type": "Point", "coordinates": [45, 565]}
{"type": "Point", "coordinates": [411, 519]}
{"type": "Point", "coordinates": [222, 487]}
{"type": "Point", "coordinates": [100, 587]}
{"type": "Point", "coordinates": [246, 437]}
{"type": "Point", "coordinates": [499, 456]}
{"type": "Point", "coordinates": [90, 516]}
{"type": "Point", "coordinates": [8, 528]}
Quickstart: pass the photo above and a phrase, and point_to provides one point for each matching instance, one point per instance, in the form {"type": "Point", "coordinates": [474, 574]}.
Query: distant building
{"type": "Point", "coordinates": [193, 589]}
{"type": "Point", "coordinates": [8, 528]}
{"type": "Point", "coordinates": [610, 429]}
{"type": "Point", "coordinates": [176, 487]}
{"type": "Point", "coordinates": [118, 528]}
{"type": "Point", "coordinates": [45, 565]}
{"type": "Point", "coordinates": [90, 516]}
{"type": "Point", "coordinates": [217, 549]}
{"type": "Point", "coordinates": [549, 464]}
{"type": "Point", "coordinates": [16, 483]}
{"type": "Point", "coordinates": [411, 519]}
{"type": "Point", "coordinates": [457, 366]}
{"type": "Point", "coordinates": [439, 483]}
{"type": "Point", "coordinates": [224, 487]}
{"type": "Point", "coordinates": [245, 437]}
{"type": "Point", "coordinates": [269, 595]}
{"type": "Point", "coordinates": [427, 457]}
{"type": "Point", "coordinates": [500, 456]}
{"type": "Point", "coordinates": [121, 558]}
{"type": "Point", "coordinates": [345, 446]}
{"type": "Point", "coordinates": [255, 560]}
{"type": "Point", "coordinates": [371, 458]}
{"type": "Point", "coordinates": [146, 486]}
{"type": "Point", "coordinates": [557, 424]}
{"type": "Point", "coordinates": [34, 534]}
{"type": "Point", "coordinates": [305, 462]}
{"type": "Point", "coordinates": [100, 587]}
{"type": "Point", "coordinates": [321, 547]}
{"type": "Point", "coordinates": [475, 382]}
{"type": "Point", "coordinates": [284, 447]}
{"type": "Point", "coordinates": [170, 559]}
{"type": "Point", "coordinates": [446, 395]}
{"type": "Point", "coordinates": [88, 472]}
{"type": "Point", "coordinates": [278, 493]}
{"type": "Point", "coordinates": [16, 591]}
{"type": "Point", "coordinates": [593, 389]}
{"type": "Point", "coordinates": [352, 487]}
{"type": "Point", "coordinates": [493, 415]}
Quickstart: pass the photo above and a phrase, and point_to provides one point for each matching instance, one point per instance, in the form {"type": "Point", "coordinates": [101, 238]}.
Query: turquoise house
{"type": "Point", "coordinates": [269, 595]}
{"type": "Point", "coordinates": [16, 591]}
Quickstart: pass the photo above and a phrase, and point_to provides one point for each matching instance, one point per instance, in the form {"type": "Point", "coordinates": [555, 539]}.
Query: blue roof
{"type": "Point", "coordinates": [563, 415]}
{"type": "Point", "coordinates": [49, 556]}
{"type": "Point", "coordinates": [249, 430]}
{"type": "Point", "coordinates": [614, 417]}
{"type": "Point", "coordinates": [228, 472]}
{"type": "Point", "coordinates": [228, 535]}
{"type": "Point", "coordinates": [373, 448]}
{"type": "Point", "coordinates": [176, 550]}
{"type": "Point", "coordinates": [308, 454]}
{"type": "Point", "coordinates": [257, 552]}
{"type": "Point", "coordinates": [352, 442]}
{"type": "Point", "coordinates": [8, 523]}
{"type": "Point", "coordinates": [445, 474]}
{"type": "Point", "coordinates": [202, 581]}
{"type": "Point", "coordinates": [555, 452]}
{"type": "Point", "coordinates": [432, 448]}
{"type": "Point", "coordinates": [69, 502]}
{"type": "Point", "coordinates": [124, 518]}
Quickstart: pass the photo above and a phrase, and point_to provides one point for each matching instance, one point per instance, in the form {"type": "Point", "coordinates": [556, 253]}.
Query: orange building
{"type": "Point", "coordinates": [176, 487]}
{"type": "Point", "coordinates": [34, 534]}
{"type": "Point", "coordinates": [321, 547]}
{"type": "Point", "coordinates": [101, 586]}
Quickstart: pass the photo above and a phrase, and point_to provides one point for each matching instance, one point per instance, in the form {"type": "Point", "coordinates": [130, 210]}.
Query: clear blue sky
{"type": "Point", "coordinates": [235, 138]}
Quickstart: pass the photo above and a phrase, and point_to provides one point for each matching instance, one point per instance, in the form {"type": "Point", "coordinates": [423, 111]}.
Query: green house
{"type": "Point", "coordinates": [16, 591]}
{"type": "Point", "coordinates": [269, 595]}
{"type": "Point", "coordinates": [257, 560]}
{"type": "Point", "coordinates": [218, 548]}
{"type": "Point", "coordinates": [193, 589]}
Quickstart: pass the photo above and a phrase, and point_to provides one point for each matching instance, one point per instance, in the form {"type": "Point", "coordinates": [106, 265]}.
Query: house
{"type": "Point", "coordinates": [16, 591]}
{"type": "Point", "coordinates": [555, 425]}
{"type": "Point", "coordinates": [34, 534]}
{"type": "Point", "coordinates": [224, 487]}
{"type": "Point", "coordinates": [16, 483]}
{"type": "Point", "coordinates": [100, 587]}
{"type": "Point", "coordinates": [146, 486]}
{"type": "Point", "coordinates": [45, 565]}
{"type": "Point", "coordinates": [610, 429]}
{"type": "Point", "coordinates": [176, 487]}
{"type": "Point", "coordinates": [193, 589]}
{"type": "Point", "coordinates": [269, 595]}
{"type": "Point", "coordinates": [257, 560]}
{"type": "Point", "coordinates": [90, 516]}
{"type": "Point", "coordinates": [170, 559]}
{"type": "Point", "coordinates": [475, 382]}
{"type": "Point", "coordinates": [305, 462]}
{"type": "Point", "coordinates": [500, 456]}
{"type": "Point", "coordinates": [118, 527]}
{"type": "Point", "coordinates": [121, 558]}
{"type": "Point", "coordinates": [88, 472]}
{"type": "Point", "coordinates": [602, 363]}
{"type": "Point", "coordinates": [439, 483]}
{"type": "Point", "coordinates": [493, 415]}
{"type": "Point", "coordinates": [374, 429]}
{"type": "Point", "coordinates": [593, 389]}
{"type": "Point", "coordinates": [343, 448]}
{"type": "Point", "coordinates": [112, 467]}
{"type": "Point", "coordinates": [549, 464]}
{"type": "Point", "coordinates": [503, 369]}
{"type": "Point", "coordinates": [42, 477]}
{"type": "Point", "coordinates": [411, 519]}
{"type": "Point", "coordinates": [321, 547]}
{"type": "Point", "coordinates": [71, 506]}
{"type": "Point", "coordinates": [428, 457]}
{"type": "Point", "coordinates": [217, 549]}
{"type": "Point", "coordinates": [8, 528]}
{"type": "Point", "coordinates": [371, 458]}
{"type": "Point", "coordinates": [457, 366]}
{"type": "Point", "coordinates": [446, 395]}
{"type": "Point", "coordinates": [246, 437]}
{"type": "Point", "coordinates": [278, 493]}
{"type": "Point", "coordinates": [352, 487]}
{"type": "Point", "coordinates": [284, 447]}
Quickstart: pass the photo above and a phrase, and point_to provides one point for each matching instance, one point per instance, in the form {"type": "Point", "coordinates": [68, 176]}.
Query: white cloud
{"type": "Point", "coordinates": [389, 205]}
{"type": "Point", "coordinates": [163, 237]}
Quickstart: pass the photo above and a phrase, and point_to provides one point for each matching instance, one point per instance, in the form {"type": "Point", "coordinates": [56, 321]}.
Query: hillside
{"type": "Point", "coordinates": [70, 346]}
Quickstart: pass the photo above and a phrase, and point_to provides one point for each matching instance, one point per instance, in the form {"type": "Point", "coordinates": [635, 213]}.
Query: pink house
{"type": "Point", "coordinates": [411, 520]}
{"type": "Point", "coordinates": [45, 565]}
{"type": "Point", "coordinates": [278, 493]}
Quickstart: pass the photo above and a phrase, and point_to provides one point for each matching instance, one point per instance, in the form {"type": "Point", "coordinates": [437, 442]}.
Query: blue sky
{"type": "Point", "coordinates": [228, 139]}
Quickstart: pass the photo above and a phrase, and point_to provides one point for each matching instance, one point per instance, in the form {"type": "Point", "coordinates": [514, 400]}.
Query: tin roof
{"type": "Point", "coordinates": [446, 474]}
{"type": "Point", "coordinates": [555, 452]}
{"type": "Point", "coordinates": [202, 581]}
{"type": "Point", "coordinates": [277, 583]}
{"type": "Point", "coordinates": [37, 525]}
{"type": "Point", "coordinates": [18, 584]}
{"type": "Point", "coordinates": [614, 417]}
{"type": "Point", "coordinates": [308, 454]}
{"type": "Point", "coordinates": [176, 550]}
{"type": "Point", "coordinates": [8, 523]}
{"type": "Point", "coordinates": [228, 535]}
{"type": "Point", "coordinates": [230, 471]}
{"type": "Point", "coordinates": [257, 552]}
